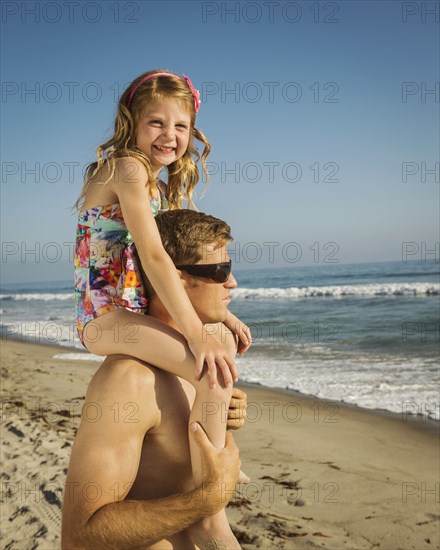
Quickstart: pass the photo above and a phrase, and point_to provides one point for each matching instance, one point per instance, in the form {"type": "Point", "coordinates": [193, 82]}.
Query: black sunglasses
{"type": "Point", "coordinates": [217, 272]}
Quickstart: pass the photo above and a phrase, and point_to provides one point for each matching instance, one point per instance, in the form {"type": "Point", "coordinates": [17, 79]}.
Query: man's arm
{"type": "Point", "coordinates": [104, 463]}
{"type": "Point", "coordinates": [129, 524]}
{"type": "Point", "coordinates": [141, 523]}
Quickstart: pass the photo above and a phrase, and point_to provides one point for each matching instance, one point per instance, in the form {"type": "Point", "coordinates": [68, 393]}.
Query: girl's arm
{"type": "Point", "coordinates": [129, 185]}
{"type": "Point", "coordinates": [241, 330]}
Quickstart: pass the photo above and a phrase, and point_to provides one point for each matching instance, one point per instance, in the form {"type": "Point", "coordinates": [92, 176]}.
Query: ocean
{"type": "Point", "coordinates": [365, 334]}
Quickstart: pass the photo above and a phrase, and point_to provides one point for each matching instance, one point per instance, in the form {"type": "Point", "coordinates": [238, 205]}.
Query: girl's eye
{"type": "Point", "coordinates": [184, 126]}
{"type": "Point", "coordinates": [156, 122]}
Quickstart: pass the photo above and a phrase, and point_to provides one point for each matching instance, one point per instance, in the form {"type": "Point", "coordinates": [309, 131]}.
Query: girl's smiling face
{"type": "Point", "coordinates": [163, 132]}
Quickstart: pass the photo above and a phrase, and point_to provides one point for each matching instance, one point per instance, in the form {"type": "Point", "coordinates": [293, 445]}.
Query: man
{"type": "Point", "coordinates": [130, 483]}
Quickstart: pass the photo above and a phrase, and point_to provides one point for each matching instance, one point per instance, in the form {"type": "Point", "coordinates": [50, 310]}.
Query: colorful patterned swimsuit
{"type": "Point", "coordinates": [107, 268]}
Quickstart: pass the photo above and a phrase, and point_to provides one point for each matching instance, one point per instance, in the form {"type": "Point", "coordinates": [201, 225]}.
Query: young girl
{"type": "Point", "coordinates": [117, 237]}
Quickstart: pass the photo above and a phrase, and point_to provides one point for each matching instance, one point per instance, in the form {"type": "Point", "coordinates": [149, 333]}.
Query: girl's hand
{"type": "Point", "coordinates": [208, 350]}
{"type": "Point", "coordinates": [241, 330]}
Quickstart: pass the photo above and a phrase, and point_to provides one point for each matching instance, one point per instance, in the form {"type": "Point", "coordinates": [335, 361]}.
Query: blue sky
{"type": "Point", "coordinates": [319, 113]}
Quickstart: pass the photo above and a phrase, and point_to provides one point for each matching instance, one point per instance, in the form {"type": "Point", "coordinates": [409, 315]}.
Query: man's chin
{"type": "Point", "coordinates": [213, 319]}
{"type": "Point", "coordinates": [212, 322]}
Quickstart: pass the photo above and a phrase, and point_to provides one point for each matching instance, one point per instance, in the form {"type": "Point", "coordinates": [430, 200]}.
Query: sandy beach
{"type": "Point", "coordinates": [324, 475]}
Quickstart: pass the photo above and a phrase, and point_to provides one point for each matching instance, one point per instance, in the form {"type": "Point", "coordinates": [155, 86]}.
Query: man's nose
{"type": "Point", "coordinates": [231, 282]}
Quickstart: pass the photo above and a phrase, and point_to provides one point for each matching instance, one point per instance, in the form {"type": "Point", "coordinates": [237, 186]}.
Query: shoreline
{"type": "Point", "coordinates": [324, 474]}
{"type": "Point", "coordinates": [423, 421]}
{"type": "Point", "coordinates": [420, 419]}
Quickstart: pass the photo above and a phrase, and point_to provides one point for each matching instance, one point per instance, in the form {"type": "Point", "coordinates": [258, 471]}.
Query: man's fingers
{"type": "Point", "coordinates": [199, 435]}
{"type": "Point", "coordinates": [238, 394]}
{"type": "Point", "coordinates": [237, 406]}
{"type": "Point", "coordinates": [202, 439]}
{"type": "Point", "coordinates": [237, 414]}
{"type": "Point", "coordinates": [235, 424]}
{"type": "Point", "coordinates": [237, 409]}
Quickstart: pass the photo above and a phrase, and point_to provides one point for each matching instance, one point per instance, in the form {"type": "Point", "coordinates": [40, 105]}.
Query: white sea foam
{"type": "Point", "coordinates": [388, 384]}
{"type": "Point", "coordinates": [335, 291]}
{"type": "Point", "coordinates": [47, 297]}
{"type": "Point", "coordinates": [340, 291]}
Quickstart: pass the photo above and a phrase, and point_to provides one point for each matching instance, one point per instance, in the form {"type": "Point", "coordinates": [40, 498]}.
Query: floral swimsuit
{"type": "Point", "coordinates": [107, 268]}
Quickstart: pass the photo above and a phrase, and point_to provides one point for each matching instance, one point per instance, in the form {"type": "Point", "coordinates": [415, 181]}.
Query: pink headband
{"type": "Point", "coordinates": [195, 93]}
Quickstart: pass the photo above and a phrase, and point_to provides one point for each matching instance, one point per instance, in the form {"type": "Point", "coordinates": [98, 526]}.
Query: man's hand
{"type": "Point", "coordinates": [220, 468]}
{"type": "Point", "coordinates": [237, 410]}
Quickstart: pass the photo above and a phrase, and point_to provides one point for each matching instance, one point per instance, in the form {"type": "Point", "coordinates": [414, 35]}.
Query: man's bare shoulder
{"type": "Point", "coordinates": [126, 383]}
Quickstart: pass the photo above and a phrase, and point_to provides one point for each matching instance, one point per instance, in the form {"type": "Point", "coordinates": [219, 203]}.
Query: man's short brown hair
{"type": "Point", "coordinates": [185, 232]}
{"type": "Point", "coordinates": [186, 235]}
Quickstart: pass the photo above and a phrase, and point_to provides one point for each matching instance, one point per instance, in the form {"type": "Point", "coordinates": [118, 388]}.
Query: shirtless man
{"type": "Point", "coordinates": [129, 484]}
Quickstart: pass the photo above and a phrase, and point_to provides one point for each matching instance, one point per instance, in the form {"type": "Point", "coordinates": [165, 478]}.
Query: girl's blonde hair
{"type": "Point", "coordinates": [183, 174]}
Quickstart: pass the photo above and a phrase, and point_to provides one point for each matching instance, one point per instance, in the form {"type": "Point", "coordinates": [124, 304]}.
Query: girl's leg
{"type": "Point", "coordinates": [154, 342]}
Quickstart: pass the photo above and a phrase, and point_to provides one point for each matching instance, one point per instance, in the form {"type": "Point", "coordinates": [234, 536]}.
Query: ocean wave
{"type": "Point", "coordinates": [376, 274]}
{"type": "Point", "coordinates": [46, 297]}
{"type": "Point", "coordinates": [335, 291]}
{"type": "Point", "coordinates": [404, 386]}
{"type": "Point", "coordinates": [340, 291]}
